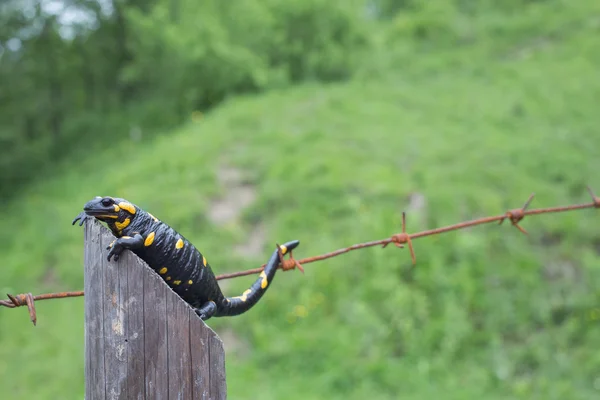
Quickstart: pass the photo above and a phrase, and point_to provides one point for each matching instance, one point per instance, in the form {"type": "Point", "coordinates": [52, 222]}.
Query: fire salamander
{"type": "Point", "coordinates": [174, 258]}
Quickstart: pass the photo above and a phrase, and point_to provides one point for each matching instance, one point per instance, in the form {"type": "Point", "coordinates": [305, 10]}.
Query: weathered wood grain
{"type": "Point", "coordinates": [94, 315]}
{"type": "Point", "coordinates": [155, 338]}
{"type": "Point", "coordinates": [178, 339]}
{"type": "Point", "coordinates": [216, 371]}
{"type": "Point", "coordinates": [142, 341]}
{"type": "Point", "coordinates": [114, 285]}
{"type": "Point", "coordinates": [200, 356]}
{"type": "Point", "coordinates": [134, 328]}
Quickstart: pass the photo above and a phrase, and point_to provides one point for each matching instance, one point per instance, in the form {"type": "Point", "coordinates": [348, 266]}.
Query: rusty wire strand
{"type": "Point", "coordinates": [399, 240]}
{"type": "Point", "coordinates": [29, 300]}
{"type": "Point", "coordinates": [402, 238]}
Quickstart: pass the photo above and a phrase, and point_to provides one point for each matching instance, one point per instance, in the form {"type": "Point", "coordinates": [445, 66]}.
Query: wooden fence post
{"type": "Point", "coordinates": [142, 341]}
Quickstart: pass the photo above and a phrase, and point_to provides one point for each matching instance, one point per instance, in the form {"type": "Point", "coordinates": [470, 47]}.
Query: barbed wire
{"type": "Point", "coordinates": [515, 216]}
{"type": "Point", "coordinates": [29, 300]}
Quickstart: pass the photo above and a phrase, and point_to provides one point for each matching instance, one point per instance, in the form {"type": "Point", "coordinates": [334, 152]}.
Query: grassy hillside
{"type": "Point", "coordinates": [486, 313]}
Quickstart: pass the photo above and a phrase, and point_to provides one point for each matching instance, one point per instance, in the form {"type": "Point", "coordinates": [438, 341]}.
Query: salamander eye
{"type": "Point", "coordinates": [106, 201]}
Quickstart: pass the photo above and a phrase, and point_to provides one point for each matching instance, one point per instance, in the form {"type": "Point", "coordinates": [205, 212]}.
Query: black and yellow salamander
{"type": "Point", "coordinates": [174, 258]}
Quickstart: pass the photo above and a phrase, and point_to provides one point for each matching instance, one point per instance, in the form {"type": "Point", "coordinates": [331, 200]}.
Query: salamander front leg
{"type": "Point", "coordinates": [122, 243]}
{"type": "Point", "coordinates": [207, 310]}
{"type": "Point", "coordinates": [81, 217]}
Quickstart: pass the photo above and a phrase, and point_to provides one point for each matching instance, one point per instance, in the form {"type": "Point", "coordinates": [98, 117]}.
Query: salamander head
{"type": "Point", "coordinates": [109, 209]}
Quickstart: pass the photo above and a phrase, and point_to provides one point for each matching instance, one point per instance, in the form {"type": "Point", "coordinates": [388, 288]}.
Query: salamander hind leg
{"type": "Point", "coordinates": [207, 310]}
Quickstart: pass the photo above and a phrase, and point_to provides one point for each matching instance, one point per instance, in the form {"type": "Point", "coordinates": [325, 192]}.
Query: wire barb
{"type": "Point", "coordinates": [290, 263]}
{"type": "Point", "coordinates": [516, 215]}
{"type": "Point", "coordinates": [399, 240]}
{"type": "Point", "coordinates": [595, 199]}
{"type": "Point", "coordinates": [29, 300]}
{"type": "Point", "coordinates": [21, 300]}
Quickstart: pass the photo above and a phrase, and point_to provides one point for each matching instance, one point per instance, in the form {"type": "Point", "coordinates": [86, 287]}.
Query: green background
{"type": "Point", "coordinates": [246, 123]}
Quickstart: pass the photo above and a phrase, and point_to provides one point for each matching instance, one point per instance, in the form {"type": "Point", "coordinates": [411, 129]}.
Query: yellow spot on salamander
{"type": "Point", "coordinates": [127, 207]}
{"type": "Point", "coordinates": [176, 282]}
{"type": "Point", "coordinates": [149, 239]}
{"type": "Point", "coordinates": [204, 262]}
{"type": "Point", "coordinates": [264, 282]}
{"type": "Point", "coordinates": [107, 216]}
{"type": "Point", "coordinates": [283, 249]}
{"type": "Point", "coordinates": [126, 237]}
{"type": "Point", "coordinates": [168, 278]}
{"type": "Point", "coordinates": [179, 244]}
{"type": "Point", "coordinates": [190, 282]}
{"type": "Point", "coordinates": [244, 295]}
{"type": "Point", "coordinates": [163, 270]}
{"type": "Point", "coordinates": [153, 217]}
{"type": "Point", "coordinates": [122, 225]}
{"type": "Point", "coordinates": [117, 208]}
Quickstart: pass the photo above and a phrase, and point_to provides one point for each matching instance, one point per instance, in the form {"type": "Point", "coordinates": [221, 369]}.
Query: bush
{"type": "Point", "coordinates": [151, 63]}
{"type": "Point", "coordinates": [209, 51]}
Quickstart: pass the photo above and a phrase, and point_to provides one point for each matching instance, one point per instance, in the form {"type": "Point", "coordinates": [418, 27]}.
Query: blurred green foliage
{"type": "Point", "coordinates": [97, 71]}
{"type": "Point", "coordinates": [448, 109]}
{"type": "Point", "coordinates": [149, 63]}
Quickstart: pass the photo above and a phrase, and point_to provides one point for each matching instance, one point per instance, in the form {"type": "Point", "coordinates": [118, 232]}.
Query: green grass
{"type": "Point", "coordinates": [487, 312]}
